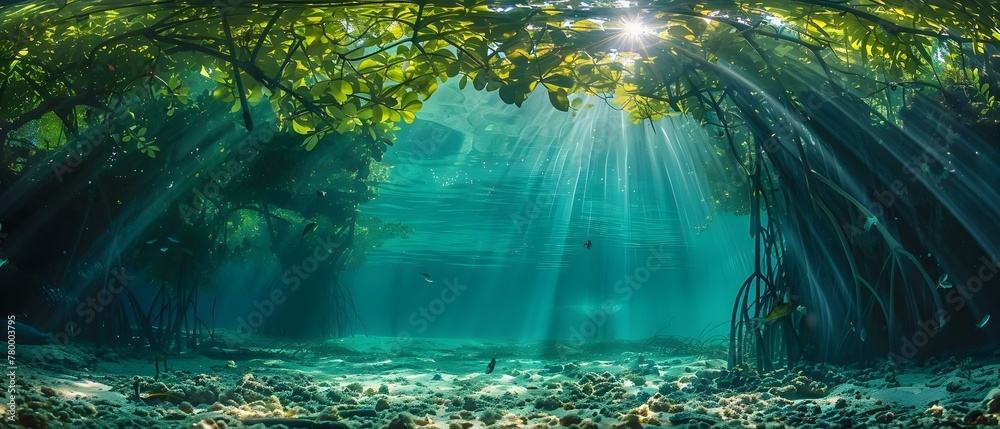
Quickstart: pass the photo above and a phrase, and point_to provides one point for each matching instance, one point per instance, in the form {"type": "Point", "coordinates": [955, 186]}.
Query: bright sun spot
{"type": "Point", "coordinates": [635, 33]}
{"type": "Point", "coordinates": [635, 27]}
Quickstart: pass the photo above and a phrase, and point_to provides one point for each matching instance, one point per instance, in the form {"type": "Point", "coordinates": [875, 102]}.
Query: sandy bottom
{"type": "Point", "coordinates": [417, 383]}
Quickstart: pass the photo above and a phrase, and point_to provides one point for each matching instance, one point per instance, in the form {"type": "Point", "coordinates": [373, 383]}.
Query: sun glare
{"type": "Point", "coordinates": [634, 28]}
{"type": "Point", "coordinates": [635, 33]}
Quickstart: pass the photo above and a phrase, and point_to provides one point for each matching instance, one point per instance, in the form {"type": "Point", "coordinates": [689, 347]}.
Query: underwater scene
{"type": "Point", "coordinates": [499, 214]}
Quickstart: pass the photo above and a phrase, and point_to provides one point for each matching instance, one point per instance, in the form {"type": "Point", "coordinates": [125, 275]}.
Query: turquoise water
{"type": "Point", "coordinates": [501, 201]}
{"type": "Point", "coordinates": [498, 203]}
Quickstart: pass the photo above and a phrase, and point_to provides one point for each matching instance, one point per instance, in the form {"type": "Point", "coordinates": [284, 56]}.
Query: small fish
{"type": "Point", "coordinates": [111, 67]}
{"type": "Point", "coordinates": [151, 241]}
{"type": "Point", "coordinates": [588, 244]}
{"type": "Point", "coordinates": [852, 326]}
{"type": "Point", "coordinates": [943, 282]}
{"type": "Point", "coordinates": [173, 239]}
{"type": "Point", "coordinates": [870, 223]}
{"type": "Point", "coordinates": [427, 277]}
{"type": "Point", "coordinates": [321, 193]}
{"type": "Point", "coordinates": [165, 396]}
{"type": "Point", "coordinates": [778, 312]}
{"type": "Point", "coordinates": [309, 228]}
{"type": "Point", "coordinates": [493, 364]}
{"type": "Point", "coordinates": [864, 334]}
{"type": "Point", "coordinates": [982, 323]}
{"type": "Point", "coordinates": [4, 262]}
{"type": "Point", "coordinates": [163, 249]}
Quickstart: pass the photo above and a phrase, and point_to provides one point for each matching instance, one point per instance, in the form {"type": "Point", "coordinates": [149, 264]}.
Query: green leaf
{"type": "Point", "coordinates": [507, 94]}
{"type": "Point", "coordinates": [783, 50]}
{"type": "Point", "coordinates": [345, 126]}
{"type": "Point", "coordinates": [558, 37]}
{"type": "Point", "coordinates": [370, 65]}
{"type": "Point", "coordinates": [584, 25]}
{"type": "Point", "coordinates": [559, 80]}
{"type": "Point", "coordinates": [311, 141]}
{"type": "Point", "coordinates": [365, 113]}
{"type": "Point", "coordinates": [453, 69]}
{"type": "Point", "coordinates": [350, 110]}
{"type": "Point", "coordinates": [680, 32]}
{"type": "Point", "coordinates": [341, 90]}
{"type": "Point", "coordinates": [395, 74]}
{"type": "Point", "coordinates": [414, 106]}
{"type": "Point", "coordinates": [301, 128]}
{"type": "Point", "coordinates": [319, 89]}
{"type": "Point", "coordinates": [479, 82]}
{"type": "Point", "coordinates": [559, 99]}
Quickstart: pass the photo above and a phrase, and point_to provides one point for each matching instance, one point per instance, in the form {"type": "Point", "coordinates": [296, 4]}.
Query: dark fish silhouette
{"type": "Point", "coordinates": [309, 228]}
{"type": "Point", "coordinates": [427, 277]}
{"type": "Point", "coordinates": [321, 193]}
{"type": "Point", "coordinates": [246, 243]}
{"type": "Point", "coordinates": [588, 244]}
{"type": "Point", "coordinates": [493, 364]}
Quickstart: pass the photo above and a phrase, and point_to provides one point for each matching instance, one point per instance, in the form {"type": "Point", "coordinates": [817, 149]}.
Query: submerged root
{"type": "Point", "coordinates": [715, 346]}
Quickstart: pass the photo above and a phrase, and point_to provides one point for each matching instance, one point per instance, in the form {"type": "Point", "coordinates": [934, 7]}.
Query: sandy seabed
{"type": "Point", "coordinates": [426, 383]}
